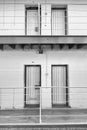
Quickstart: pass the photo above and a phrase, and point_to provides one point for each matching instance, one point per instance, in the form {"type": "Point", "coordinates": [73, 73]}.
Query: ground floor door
{"type": "Point", "coordinates": [32, 85]}
{"type": "Point", "coordinates": [59, 83]}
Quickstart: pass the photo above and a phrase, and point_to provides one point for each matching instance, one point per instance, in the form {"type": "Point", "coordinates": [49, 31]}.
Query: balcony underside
{"type": "Point", "coordinates": [43, 39]}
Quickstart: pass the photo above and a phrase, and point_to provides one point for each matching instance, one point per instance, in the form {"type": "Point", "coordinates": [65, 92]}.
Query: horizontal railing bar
{"type": "Point", "coordinates": [71, 115]}
{"type": "Point", "coordinates": [41, 87]}
{"type": "Point", "coordinates": [49, 108]}
{"type": "Point", "coordinates": [19, 109]}
{"type": "Point", "coordinates": [12, 23]}
{"type": "Point", "coordinates": [64, 108]}
{"type": "Point", "coordinates": [57, 29]}
{"type": "Point", "coordinates": [18, 9]}
{"type": "Point", "coordinates": [44, 92]}
{"type": "Point", "coordinates": [21, 16]}
{"type": "Point", "coordinates": [7, 29]}
{"type": "Point", "coordinates": [8, 116]}
{"type": "Point", "coordinates": [74, 100]}
{"type": "Point", "coordinates": [52, 108]}
{"type": "Point", "coordinates": [35, 125]}
{"type": "Point", "coordinates": [20, 22]}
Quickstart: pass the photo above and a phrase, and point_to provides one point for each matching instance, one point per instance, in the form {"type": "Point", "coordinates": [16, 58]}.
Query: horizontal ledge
{"type": "Point", "coordinates": [44, 125]}
{"type": "Point", "coordinates": [43, 39]}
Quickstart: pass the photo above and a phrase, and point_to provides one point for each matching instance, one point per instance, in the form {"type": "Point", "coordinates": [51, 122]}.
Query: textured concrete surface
{"type": "Point", "coordinates": [64, 116]}
{"type": "Point", "coordinates": [19, 116]}
{"type": "Point", "coordinates": [58, 116]}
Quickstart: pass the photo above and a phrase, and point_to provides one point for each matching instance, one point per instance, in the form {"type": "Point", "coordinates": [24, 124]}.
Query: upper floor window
{"type": "Point", "coordinates": [35, 19]}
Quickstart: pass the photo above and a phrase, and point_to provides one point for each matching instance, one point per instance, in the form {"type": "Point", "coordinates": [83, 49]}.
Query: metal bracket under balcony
{"type": "Point", "coordinates": [43, 40]}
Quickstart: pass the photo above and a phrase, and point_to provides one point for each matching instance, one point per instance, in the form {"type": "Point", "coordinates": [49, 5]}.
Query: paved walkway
{"type": "Point", "coordinates": [19, 116]}
{"type": "Point", "coordinates": [30, 116]}
{"type": "Point", "coordinates": [65, 116]}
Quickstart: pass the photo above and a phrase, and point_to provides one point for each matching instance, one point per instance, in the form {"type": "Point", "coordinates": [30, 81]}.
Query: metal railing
{"type": "Point", "coordinates": [54, 105]}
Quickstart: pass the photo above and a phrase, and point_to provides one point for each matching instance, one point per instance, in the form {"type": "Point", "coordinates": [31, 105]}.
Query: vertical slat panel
{"type": "Point", "coordinates": [27, 84]}
{"type": "Point", "coordinates": [62, 85]}
{"type": "Point", "coordinates": [37, 82]}
{"type": "Point", "coordinates": [58, 22]}
{"type": "Point", "coordinates": [59, 84]}
{"type": "Point", "coordinates": [32, 22]}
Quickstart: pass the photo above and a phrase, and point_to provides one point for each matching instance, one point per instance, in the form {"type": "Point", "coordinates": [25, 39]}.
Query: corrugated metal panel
{"type": "Point", "coordinates": [32, 81]}
{"type": "Point", "coordinates": [32, 22]}
{"type": "Point", "coordinates": [59, 84]}
{"type": "Point", "coordinates": [58, 22]}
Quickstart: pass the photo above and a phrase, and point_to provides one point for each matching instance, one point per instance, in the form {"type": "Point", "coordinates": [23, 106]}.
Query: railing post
{"type": "Point", "coordinates": [40, 103]}
{"type": "Point", "coordinates": [13, 96]}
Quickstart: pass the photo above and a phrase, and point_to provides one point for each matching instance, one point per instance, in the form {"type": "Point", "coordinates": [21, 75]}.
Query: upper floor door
{"type": "Point", "coordinates": [32, 22]}
{"type": "Point", "coordinates": [58, 22]}
{"type": "Point", "coordinates": [45, 20]}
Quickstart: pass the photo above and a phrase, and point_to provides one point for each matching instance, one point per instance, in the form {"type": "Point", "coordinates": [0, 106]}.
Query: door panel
{"type": "Point", "coordinates": [59, 85]}
{"type": "Point", "coordinates": [33, 83]}
{"type": "Point", "coordinates": [58, 22]}
{"type": "Point", "coordinates": [32, 22]}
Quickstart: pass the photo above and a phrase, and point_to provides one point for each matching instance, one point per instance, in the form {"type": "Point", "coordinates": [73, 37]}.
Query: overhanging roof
{"type": "Point", "coordinates": [43, 39]}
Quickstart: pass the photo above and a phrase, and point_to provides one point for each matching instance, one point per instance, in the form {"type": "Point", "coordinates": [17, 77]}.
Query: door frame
{"type": "Point", "coordinates": [67, 83]}
{"type": "Point", "coordinates": [25, 66]}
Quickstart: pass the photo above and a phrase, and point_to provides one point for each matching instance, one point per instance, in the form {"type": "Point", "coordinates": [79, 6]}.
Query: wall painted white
{"type": "Point", "coordinates": [46, 19]}
{"type": "Point", "coordinates": [12, 19]}
{"type": "Point", "coordinates": [77, 19]}
{"type": "Point", "coordinates": [12, 16]}
{"type": "Point", "coordinates": [12, 75]}
{"type": "Point", "coordinates": [45, 1]}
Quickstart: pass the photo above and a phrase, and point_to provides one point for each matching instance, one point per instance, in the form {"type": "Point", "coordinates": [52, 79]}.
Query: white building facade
{"type": "Point", "coordinates": [43, 53]}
